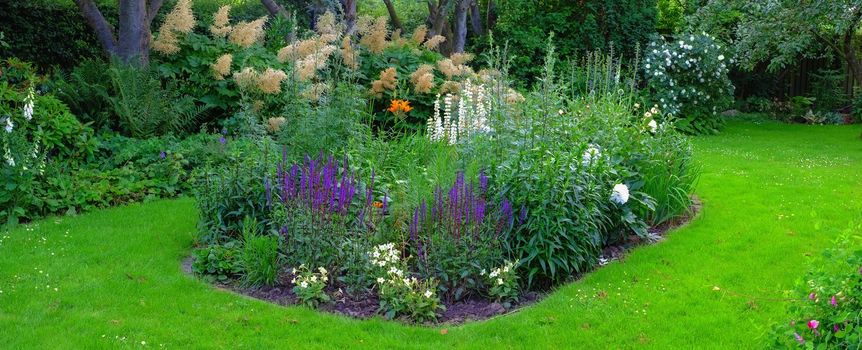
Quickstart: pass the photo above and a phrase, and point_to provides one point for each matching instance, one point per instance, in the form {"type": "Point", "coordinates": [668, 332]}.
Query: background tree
{"type": "Point", "coordinates": [131, 41]}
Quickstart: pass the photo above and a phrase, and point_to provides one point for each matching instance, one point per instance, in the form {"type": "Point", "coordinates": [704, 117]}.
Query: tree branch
{"type": "Point", "coordinates": [393, 15]}
{"type": "Point", "coordinates": [153, 9]}
{"type": "Point", "coordinates": [274, 8]}
{"type": "Point", "coordinates": [104, 31]}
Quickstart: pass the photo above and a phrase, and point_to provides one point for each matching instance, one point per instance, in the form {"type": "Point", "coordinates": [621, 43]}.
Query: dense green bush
{"type": "Point", "coordinates": [688, 80]}
{"type": "Point", "coordinates": [827, 302]}
{"type": "Point", "coordinates": [218, 262]}
{"type": "Point", "coordinates": [580, 26]}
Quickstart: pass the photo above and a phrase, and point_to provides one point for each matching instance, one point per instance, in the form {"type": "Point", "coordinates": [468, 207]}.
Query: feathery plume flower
{"type": "Point", "coordinates": [461, 58]}
{"type": "Point", "coordinates": [375, 38]}
{"type": "Point", "coordinates": [274, 124]}
{"type": "Point", "coordinates": [221, 67]}
{"type": "Point", "coordinates": [419, 34]}
{"type": "Point", "coordinates": [388, 80]}
{"type": "Point", "coordinates": [246, 79]}
{"type": "Point", "coordinates": [221, 22]}
{"type": "Point", "coordinates": [315, 91]}
{"type": "Point", "coordinates": [307, 67]}
{"type": "Point", "coordinates": [348, 55]}
{"type": "Point", "coordinates": [245, 34]}
{"type": "Point", "coordinates": [179, 20]}
{"type": "Point", "coordinates": [270, 81]}
{"type": "Point", "coordinates": [363, 25]}
{"type": "Point", "coordinates": [450, 87]}
{"type": "Point", "coordinates": [434, 42]}
{"type": "Point", "coordinates": [328, 27]}
{"type": "Point", "coordinates": [620, 194]}
{"type": "Point", "coordinates": [423, 78]}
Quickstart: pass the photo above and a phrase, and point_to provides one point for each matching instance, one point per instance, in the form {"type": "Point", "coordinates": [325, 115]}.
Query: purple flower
{"type": "Point", "coordinates": [483, 181]}
{"type": "Point", "coordinates": [799, 338]}
{"type": "Point", "coordinates": [268, 190]}
{"type": "Point", "coordinates": [835, 328]}
{"type": "Point", "coordinates": [833, 302]}
{"type": "Point", "coordinates": [162, 155]}
{"type": "Point", "coordinates": [812, 296]}
{"type": "Point", "coordinates": [222, 140]}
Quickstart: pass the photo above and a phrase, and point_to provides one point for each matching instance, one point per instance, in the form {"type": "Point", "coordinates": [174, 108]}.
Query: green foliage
{"type": "Point", "coordinates": [145, 108]}
{"type": "Point", "coordinates": [49, 33]}
{"type": "Point", "coordinates": [688, 80]}
{"type": "Point", "coordinates": [503, 282]}
{"type": "Point", "coordinates": [415, 299]}
{"type": "Point", "coordinates": [260, 259]}
{"type": "Point", "coordinates": [87, 90]}
{"type": "Point", "coordinates": [218, 262]}
{"type": "Point", "coordinates": [827, 302]}
{"type": "Point", "coordinates": [580, 26]}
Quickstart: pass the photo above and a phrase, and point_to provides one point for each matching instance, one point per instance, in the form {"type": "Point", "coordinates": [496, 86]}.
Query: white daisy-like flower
{"type": "Point", "coordinates": [303, 285]}
{"type": "Point", "coordinates": [721, 57]}
{"type": "Point", "coordinates": [499, 281]}
{"type": "Point", "coordinates": [428, 294]}
{"type": "Point", "coordinates": [380, 280]}
{"type": "Point", "coordinates": [322, 270]}
{"type": "Point", "coordinates": [620, 194]}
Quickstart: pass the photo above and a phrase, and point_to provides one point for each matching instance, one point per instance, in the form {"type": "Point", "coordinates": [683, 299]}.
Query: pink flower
{"type": "Point", "coordinates": [812, 296]}
{"type": "Point", "coordinates": [813, 324]}
{"type": "Point", "coordinates": [833, 302]}
{"type": "Point", "coordinates": [835, 328]}
{"type": "Point", "coordinates": [799, 338]}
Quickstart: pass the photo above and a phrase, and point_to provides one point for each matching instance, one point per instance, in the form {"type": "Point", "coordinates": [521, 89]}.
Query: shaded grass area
{"type": "Point", "coordinates": [772, 194]}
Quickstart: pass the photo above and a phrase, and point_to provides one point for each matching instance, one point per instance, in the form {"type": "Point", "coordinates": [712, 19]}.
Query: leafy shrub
{"type": "Point", "coordinates": [86, 89]}
{"type": "Point", "coordinates": [308, 285]}
{"type": "Point", "coordinates": [260, 258]}
{"type": "Point", "coordinates": [688, 79]}
{"type": "Point", "coordinates": [399, 293]}
{"type": "Point", "coordinates": [827, 302]}
{"type": "Point", "coordinates": [503, 281]}
{"type": "Point", "coordinates": [218, 262]}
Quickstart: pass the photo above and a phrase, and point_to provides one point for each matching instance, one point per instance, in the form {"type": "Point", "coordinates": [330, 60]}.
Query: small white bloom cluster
{"type": "Point", "coordinates": [9, 126]}
{"type": "Point", "coordinates": [305, 279]}
{"type": "Point", "coordinates": [29, 103]}
{"type": "Point", "coordinates": [385, 255]}
{"type": "Point", "coordinates": [591, 155]}
{"type": "Point", "coordinates": [620, 194]}
{"type": "Point", "coordinates": [471, 116]}
{"type": "Point", "coordinates": [499, 275]}
{"type": "Point", "coordinates": [685, 72]}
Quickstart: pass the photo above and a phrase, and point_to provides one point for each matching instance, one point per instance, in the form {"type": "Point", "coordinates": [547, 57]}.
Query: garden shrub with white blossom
{"type": "Point", "coordinates": [688, 80]}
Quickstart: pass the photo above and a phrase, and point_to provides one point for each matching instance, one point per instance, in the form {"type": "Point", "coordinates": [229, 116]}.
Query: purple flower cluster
{"type": "Point", "coordinates": [324, 186]}
{"type": "Point", "coordinates": [461, 212]}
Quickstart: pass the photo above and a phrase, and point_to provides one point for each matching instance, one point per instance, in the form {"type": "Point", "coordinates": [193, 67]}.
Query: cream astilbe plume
{"type": "Point", "coordinates": [246, 79]}
{"type": "Point", "coordinates": [513, 97]}
{"type": "Point", "coordinates": [435, 41]}
{"type": "Point", "coordinates": [179, 20]}
{"type": "Point", "coordinates": [245, 34]}
{"type": "Point", "coordinates": [423, 78]}
{"type": "Point", "coordinates": [315, 91]}
{"type": "Point", "coordinates": [363, 25]}
{"type": "Point", "coordinates": [274, 124]}
{"type": "Point", "coordinates": [388, 80]}
{"type": "Point", "coordinates": [221, 22]}
{"type": "Point", "coordinates": [270, 81]}
{"type": "Point", "coordinates": [396, 39]}
{"type": "Point", "coordinates": [459, 59]}
{"type": "Point", "coordinates": [348, 54]}
{"type": "Point", "coordinates": [300, 49]}
{"type": "Point", "coordinates": [375, 38]}
{"type": "Point", "coordinates": [450, 87]}
{"type": "Point", "coordinates": [221, 67]}
{"type": "Point", "coordinates": [307, 67]}
{"type": "Point", "coordinates": [450, 69]}
{"type": "Point", "coordinates": [419, 34]}
{"type": "Point", "coordinates": [328, 27]}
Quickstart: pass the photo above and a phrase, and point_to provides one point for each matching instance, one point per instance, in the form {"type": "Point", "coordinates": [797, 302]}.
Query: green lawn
{"type": "Point", "coordinates": [772, 194]}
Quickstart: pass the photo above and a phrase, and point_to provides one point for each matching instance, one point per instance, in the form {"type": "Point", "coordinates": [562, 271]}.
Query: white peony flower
{"type": "Point", "coordinates": [620, 194]}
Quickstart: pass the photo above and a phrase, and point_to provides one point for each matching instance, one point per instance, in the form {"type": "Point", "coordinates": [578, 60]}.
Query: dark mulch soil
{"type": "Point", "coordinates": [364, 305]}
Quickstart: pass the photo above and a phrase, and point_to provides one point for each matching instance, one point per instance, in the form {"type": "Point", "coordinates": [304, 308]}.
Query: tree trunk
{"type": "Point", "coordinates": [437, 14]}
{"type": "Point", "coordinates": [393, 16]}
{"type": "Point", "coordinates": [476, 18]}
{"type": "Point", "coordinates": [349, 7]}
{"type": "Point", "coordinates": [131, 43]}
{"type": "Point", "coordinates": [103, 30]}
{"type": "Point", "coordinates": [460, 34]}
{"type": "Point", "coordinates": [275, 9]}
{"type": "Point", "coordinates": [133, 40]}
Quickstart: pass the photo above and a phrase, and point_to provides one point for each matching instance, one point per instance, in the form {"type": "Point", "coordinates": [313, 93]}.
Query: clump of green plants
{"type": "Point", "coordinates": [261, 261]}
{"type": "Point", "coordinates": [219, 263]}
{"type": "Point", "coordinates": [827, 301]}
{"type": "Point", "coordinates": [688, 80]}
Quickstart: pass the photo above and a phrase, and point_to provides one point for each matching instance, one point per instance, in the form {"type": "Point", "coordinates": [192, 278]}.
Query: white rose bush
{"type": "Point", "coordinates": [688, 80]}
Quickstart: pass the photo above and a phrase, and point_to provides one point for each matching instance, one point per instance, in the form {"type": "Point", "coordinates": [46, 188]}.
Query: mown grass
{"type": "Point", "coordinates": [772, 194]}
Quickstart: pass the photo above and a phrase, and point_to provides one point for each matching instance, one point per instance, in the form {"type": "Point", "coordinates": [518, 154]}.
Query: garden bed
{"type": "Point", "coordinates": [365, 305]}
